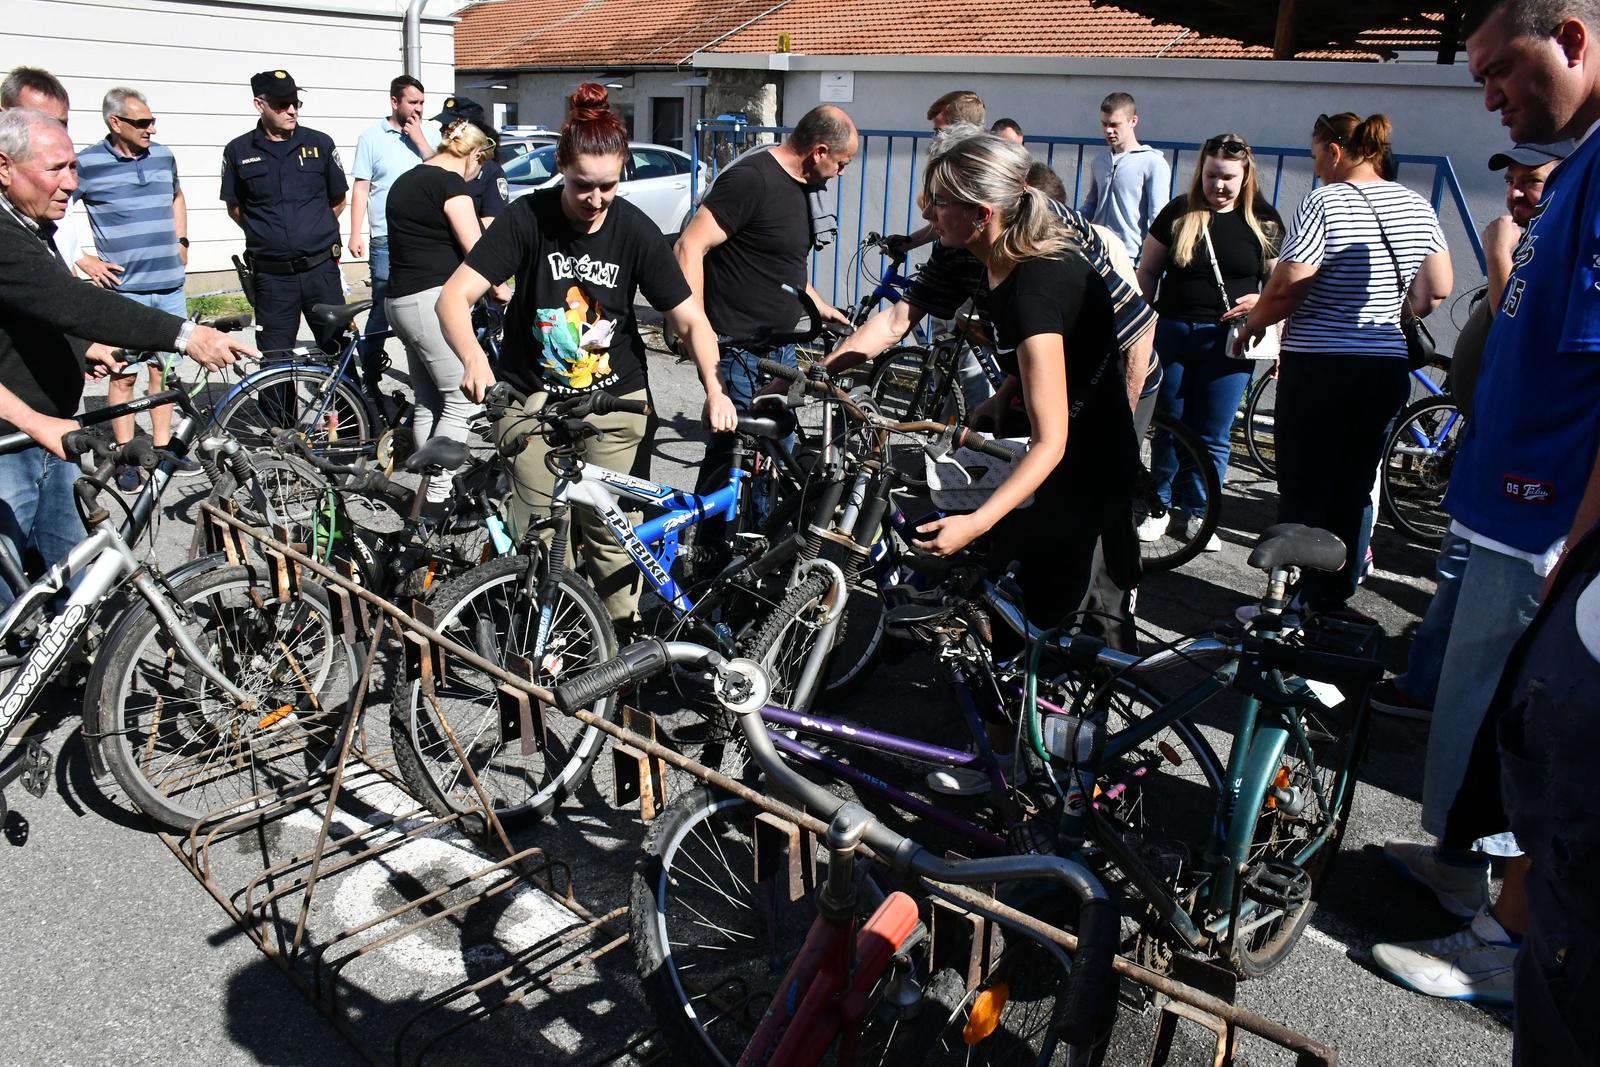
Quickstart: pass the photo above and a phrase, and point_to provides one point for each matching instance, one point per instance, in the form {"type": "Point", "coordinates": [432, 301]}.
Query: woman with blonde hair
{"type": "Point", "coordinates": [1207, 254]}
{"type": "Point", "coordinates": [1364, 253]}
{"type": "Point", "coordinates": [432, 227]}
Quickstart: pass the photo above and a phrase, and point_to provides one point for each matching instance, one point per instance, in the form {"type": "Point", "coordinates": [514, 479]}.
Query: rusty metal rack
{"type": "Point", "coordinates": [276, 904]}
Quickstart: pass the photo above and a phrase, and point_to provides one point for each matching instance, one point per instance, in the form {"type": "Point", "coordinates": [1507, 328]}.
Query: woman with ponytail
{"type": "Point", "coordinates": [1052, 317]}
{"type": "Point", "coordinates": [579, 257]}
{"type": "Point", "coordinates": [1362, 253]}
{"type": "Point", "coordinates": [1208, 253]}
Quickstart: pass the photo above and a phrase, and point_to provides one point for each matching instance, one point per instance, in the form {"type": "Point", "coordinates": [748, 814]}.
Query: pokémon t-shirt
{"type": "Point", "coordinates": [570, 327]}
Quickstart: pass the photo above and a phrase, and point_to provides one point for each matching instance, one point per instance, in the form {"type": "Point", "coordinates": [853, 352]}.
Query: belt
{"type": "Point", "coordinates": [297, 265]}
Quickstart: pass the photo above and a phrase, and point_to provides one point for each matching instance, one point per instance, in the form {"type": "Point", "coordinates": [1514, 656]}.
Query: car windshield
{"type": "Point", "coordinates": [535, 168]}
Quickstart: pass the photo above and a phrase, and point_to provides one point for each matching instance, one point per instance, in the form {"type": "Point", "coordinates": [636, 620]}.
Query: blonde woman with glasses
{"type": "Point", "coordinates": [1208, 253]}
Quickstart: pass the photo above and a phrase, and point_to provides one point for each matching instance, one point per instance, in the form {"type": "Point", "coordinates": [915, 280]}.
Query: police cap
{"type": "Point", "coordinates": [274, 83]}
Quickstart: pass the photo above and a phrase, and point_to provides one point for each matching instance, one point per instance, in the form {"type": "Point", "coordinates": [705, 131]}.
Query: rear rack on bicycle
{"type": "Point", "coordinates": [367, 900]}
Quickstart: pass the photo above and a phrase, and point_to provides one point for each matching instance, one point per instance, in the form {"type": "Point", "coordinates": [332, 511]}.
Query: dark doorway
{"type": "Point", "coordinates": [666, 120]}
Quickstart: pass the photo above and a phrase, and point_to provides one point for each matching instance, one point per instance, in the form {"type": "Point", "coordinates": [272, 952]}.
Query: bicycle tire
{"type": "Point", "coordinates": [708, 998]}
{"type": "Point", "coordinates": [258, 410]}
{"type": "Point", "coordinates": [283, 652]}
{"type": "Point", "coordinates": [1176, 543]}
{"type": "Point", "coordinates": [1416, 476]}
{"type": "Point", "coordinates": [1024, 1032]}
{"type": "Point", "coordinates": [1259, 422]}
{"type": "Point", "coordinates": [523, 786]}
{"type": "Point", "coordinates": [786, 639]}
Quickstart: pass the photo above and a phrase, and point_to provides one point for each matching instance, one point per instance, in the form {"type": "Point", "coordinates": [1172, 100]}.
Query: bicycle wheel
{"type": "Point", "coordinates": [714, 933]}
{"type": "Point", "coordinates": [180, 749]}
{"type": "Point", "coordinates": [786, 639]}
{"type": "Point", "coordinates": [1026, 984]}
{"type": "Point", "coordinates": [912, 383]}
{"type": "Point", "coordinates": [1416, 468]}
{"type": "Point", "coordinates": [1259, 421]}
{"type": "Point", "coordinates": [328, 411]}
{"type": "Point", "coordinates": [487, 610]}
{"type": "Point", "coordinates": [1169, 538]}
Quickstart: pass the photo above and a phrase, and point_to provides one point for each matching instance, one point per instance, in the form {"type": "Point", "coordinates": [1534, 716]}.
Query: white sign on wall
{"type": "Point", "coordinates": [838, 86]}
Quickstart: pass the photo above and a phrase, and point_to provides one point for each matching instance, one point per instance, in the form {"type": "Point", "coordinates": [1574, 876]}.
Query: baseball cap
{"type": "Point", "coordinates": [1531, 155]}
{"type": "Point", "coordinates": [279, 83]}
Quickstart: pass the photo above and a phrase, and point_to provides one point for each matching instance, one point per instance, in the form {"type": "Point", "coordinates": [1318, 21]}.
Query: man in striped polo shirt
{"type": "Point", "coordinates": [129, 184]}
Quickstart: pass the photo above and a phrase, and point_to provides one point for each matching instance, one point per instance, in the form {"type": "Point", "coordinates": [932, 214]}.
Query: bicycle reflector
{"type": "Point", "coordinates": [985, 1013]}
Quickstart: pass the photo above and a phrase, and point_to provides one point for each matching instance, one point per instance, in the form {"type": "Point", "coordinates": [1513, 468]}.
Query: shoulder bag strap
{"type": "Point", "coordinates": [1216, 270]}
{"type": "Point", "coordinates": [1405, 287]}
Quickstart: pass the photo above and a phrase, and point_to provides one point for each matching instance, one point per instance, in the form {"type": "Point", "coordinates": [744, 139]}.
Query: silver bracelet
{"type": "Point", "coordinates": [181, 345]}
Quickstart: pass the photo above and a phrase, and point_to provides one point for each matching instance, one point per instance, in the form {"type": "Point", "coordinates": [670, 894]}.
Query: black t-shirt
{"type": "Point", "coordinates": [423, 251]}
{"type": "Point", "coordinates": [1189, 292]}
{"type": "Point", "coordinates": [489, 191]}
{"type": "Point", "coordinates": [570, 326]}
{"type": "Point", "coordinates": [767, 218]}
{"type": "Point", "coordinates": [1066, 296]}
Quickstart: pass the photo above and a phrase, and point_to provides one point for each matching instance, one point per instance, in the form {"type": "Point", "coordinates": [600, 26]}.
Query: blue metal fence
{"type": "Point", "coordinates": [883, 183]}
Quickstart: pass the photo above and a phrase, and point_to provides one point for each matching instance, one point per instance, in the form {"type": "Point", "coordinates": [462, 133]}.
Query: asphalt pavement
{"type": "Point", "coordinates": [112, 953]}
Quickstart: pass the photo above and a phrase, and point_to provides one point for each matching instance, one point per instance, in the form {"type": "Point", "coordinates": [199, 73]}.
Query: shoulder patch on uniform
{"type": "Point", "coordinates": [504, 187]}
{"type": "Point", "coordinates": [336, 160]}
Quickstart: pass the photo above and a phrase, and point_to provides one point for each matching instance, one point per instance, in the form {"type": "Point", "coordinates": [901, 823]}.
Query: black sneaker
{"type": "Point", "coordinates": [129, 479]}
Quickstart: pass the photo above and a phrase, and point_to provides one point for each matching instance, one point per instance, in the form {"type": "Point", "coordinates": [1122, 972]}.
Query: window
{"type": "Point", "coordinates": [535, 168]}
{"type": "Point", "coordinates": [652, 164]}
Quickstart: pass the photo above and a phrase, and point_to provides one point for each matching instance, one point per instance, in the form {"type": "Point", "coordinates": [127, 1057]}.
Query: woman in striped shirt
{"type": "Point", "coordinates": [1360, 249]}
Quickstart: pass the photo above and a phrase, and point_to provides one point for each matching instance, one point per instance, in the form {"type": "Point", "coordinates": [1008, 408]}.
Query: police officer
{"type": "Point", "coordinates": [284, 185]}
{"type": "Point", "coordinates": [490, 193]}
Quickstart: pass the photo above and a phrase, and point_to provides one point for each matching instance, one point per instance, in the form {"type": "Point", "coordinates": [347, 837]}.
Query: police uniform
{"type": "Point", "coordinates": [285, 192]}
{"type": "Point", "coordinates": [490, 192]}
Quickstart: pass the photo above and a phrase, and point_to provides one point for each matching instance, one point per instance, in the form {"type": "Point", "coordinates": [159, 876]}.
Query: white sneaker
{"type": "Point", "coordinates": [1462, 891]}
{"type": "Point", "coordinates": [1153, 527]}
{"type": "Point", "coordinates": [970, 781]}
{"type": "Point", "coordinates": [1189, 525]}
{"type": "Point", "coordinates": [1474, 963]}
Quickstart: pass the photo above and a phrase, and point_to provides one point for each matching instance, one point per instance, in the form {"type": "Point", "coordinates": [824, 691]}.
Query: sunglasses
{"type": "Point", "coordinates": [280, 104]}
{"type": "Point", "coordinates": [1227, 146]}
{"type": "Point", "coordinates": [138, 124]}
{"type": "Point", "coordinates": [1334, 136]}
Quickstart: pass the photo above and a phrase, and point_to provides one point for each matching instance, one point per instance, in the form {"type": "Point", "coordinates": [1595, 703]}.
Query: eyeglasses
{"type": "Point", "coordinates": [1334, 136]}
{"type": "Point", "coordinates": [138, 124]}
{"type": "Point", "coordinates": [280, 104]}
{"type": "Point", "coordinates": [1227, 146]}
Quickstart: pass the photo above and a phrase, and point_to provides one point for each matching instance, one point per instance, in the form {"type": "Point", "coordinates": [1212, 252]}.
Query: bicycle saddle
{"type": "Point", "coordinates": [336, 316]}
{"type": "Point", "coordinates": [1291, 544]}
{"type": "Point", "coordinates": [771, 421]}
{"type": "Point", "coordinates": [441, 452]}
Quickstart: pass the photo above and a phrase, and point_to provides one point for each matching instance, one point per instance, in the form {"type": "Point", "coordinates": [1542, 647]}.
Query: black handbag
{"type": "Point", "coordinates": [1421, 349]}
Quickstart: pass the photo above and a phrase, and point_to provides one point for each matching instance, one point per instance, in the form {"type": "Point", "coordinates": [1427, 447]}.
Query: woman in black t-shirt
{"type": "Point", "coordinates": [1220, 226]}
{"type": "Point", "coordinates": [579, 257]}
{"type": "Point", "coordinates": [432, 226]}
{"type": "Point", "coordinates": [1052, 316]}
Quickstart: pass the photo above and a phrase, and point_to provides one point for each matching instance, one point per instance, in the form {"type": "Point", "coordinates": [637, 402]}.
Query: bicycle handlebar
{"type": "Point", "coordinates": [501, 396]}
{"type": "Point", "coordinates": [1332, 667]}
{"type": "Point", "coordinates": [742, 687]}
{"type": "Point", "coordinates": [354, 479]}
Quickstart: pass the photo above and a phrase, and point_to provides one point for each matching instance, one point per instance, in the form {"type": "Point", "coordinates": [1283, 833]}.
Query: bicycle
{"type": "Point", "coordinates": [850, 970]}
{"type": "Point", "coordinates": [1417, 460]}
{"type": "Point", "coordinates": [244, 687]}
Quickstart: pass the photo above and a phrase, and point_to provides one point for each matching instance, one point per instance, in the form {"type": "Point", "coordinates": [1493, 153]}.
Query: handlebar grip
{"type": "Point", "coordinates": [229, 323]}
{"type": "Point", "coordinates": [1092, 997]}
{"type": "Point", "coordinates": [987, 445]}
{"type": "Point", "coordinates": [778, 370]}
{"type": "Point", "coordinates": [498, 400]}
{"type": "Point", "coordinates": [605, 404]}
{"type": "Point", "coordinates": [1348, 672]}
{"type": "Point", "coordinates": [77, 443]}
{"type": "Point", "coordinates": [141, 453]}
{"type": "Point", "coordinates": [638, 661]}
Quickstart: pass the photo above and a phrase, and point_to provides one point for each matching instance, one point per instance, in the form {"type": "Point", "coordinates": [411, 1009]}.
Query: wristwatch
{"type": "Point", "coordinates": [183, 241]}
{"type": "Point", "coordinates": [181, 345]}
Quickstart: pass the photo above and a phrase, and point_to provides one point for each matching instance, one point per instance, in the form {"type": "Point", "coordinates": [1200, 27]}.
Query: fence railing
{"type": "Point", "coordinates": [878, 192]}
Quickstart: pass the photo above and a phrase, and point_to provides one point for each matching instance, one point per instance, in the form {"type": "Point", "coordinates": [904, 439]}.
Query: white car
{"type": "Point", "coordinates": [655, 178]}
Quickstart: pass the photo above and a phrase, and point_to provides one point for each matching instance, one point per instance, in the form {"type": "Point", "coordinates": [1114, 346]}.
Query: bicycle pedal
{"type": "Point", "coordinates": [1278, 884]}
{"type": "Point", "coordinates": [36, 769]}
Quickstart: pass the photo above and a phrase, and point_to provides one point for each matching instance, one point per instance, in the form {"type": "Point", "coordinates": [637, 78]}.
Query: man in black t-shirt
{"type": "Point", "coordinates": [750, 238]}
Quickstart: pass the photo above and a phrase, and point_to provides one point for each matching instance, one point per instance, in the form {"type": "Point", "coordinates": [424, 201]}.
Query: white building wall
{"type": "Point", "coordinates": [1435, 111]}
{"type": "Point", "coordinates": [541, 97]}
{"type": "Point", "coordinates": [193, 59]}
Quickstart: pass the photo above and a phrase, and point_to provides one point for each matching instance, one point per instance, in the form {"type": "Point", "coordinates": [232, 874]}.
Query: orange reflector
{"type": "Point", "coordinates": [1279, 781]}
{"type": "Point", "coordinates": [276, 717]}
{"type": "Point", "coordinates": [1169, 753]}
{"type": "Point", "coordinates": [427, 580]}
{"type": "Point", "coordinates": [985, 1014]}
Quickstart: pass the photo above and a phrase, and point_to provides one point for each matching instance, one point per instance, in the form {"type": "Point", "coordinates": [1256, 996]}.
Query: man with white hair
{"type": "Point", "coordinates": [46, 316]}
{"type": "Point", "coordinates": [129, 185]}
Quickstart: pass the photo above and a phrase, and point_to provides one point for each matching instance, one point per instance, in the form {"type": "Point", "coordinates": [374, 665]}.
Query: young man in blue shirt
{"type": "Point", "coordinates": [1129, 185]}
{"type": "Point", "coordinates": [1525, 486]}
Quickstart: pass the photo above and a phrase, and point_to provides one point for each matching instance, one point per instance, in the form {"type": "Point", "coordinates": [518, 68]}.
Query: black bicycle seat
{"type": "Point", "coordinates": [771, 421]}
{"type": "Point", "coordinates": [442, 452]}
{"type": "Point", "coordinates": [1291, 544]}
{"type": "Point", "coordinates": [336, 316]}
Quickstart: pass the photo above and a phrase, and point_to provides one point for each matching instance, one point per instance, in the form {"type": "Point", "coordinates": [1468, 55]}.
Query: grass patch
{"type": "Point", "coordinates": [222, 304]}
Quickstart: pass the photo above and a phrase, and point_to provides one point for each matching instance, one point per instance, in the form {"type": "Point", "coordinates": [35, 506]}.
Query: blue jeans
{"type": "Point", "coordinates": [1201, 387]}
{"type": "Point", "coordinates": [377, 329]}
{"type": "Point", "coordinates": [743, 380]}
{"type": "Point", "coordinates": [172, 301]}
{"type": "Point", "coordinates": [38, 519]}
{"type": "Point", "coordinates": [1496, 601]}
{"type": "Point", "coordinates": [1420, 681]}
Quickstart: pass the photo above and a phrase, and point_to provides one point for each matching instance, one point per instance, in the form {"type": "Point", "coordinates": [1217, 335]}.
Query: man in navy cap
{"type": "Point", "coordinates": [284, 185]}
{"type": "Point", "coordinates": [489, 191]}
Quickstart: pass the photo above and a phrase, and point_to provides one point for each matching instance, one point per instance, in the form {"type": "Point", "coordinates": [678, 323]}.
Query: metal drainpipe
{"type": "Point", "coordinates": [413, 38]}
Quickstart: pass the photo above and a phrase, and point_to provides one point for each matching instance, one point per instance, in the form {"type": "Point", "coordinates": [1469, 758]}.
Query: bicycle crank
{"type": "Point", "coordinates": [36, 769]}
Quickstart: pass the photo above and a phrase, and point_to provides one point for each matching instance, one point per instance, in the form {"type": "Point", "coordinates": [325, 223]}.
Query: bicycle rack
{"type": "Point", "coordinates": [274, 905]}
